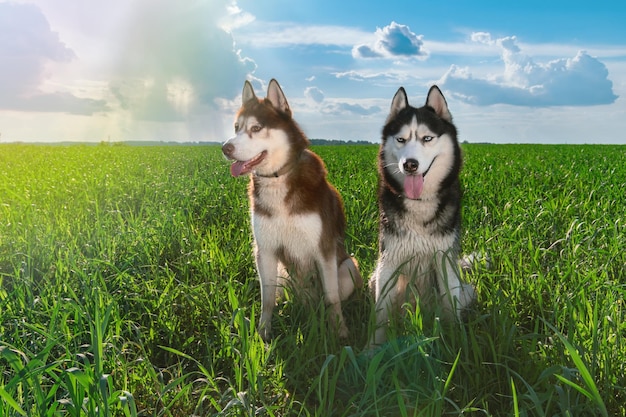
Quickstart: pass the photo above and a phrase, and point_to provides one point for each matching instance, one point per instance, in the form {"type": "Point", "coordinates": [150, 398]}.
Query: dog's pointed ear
{"type": "Point", "coordinates": [248, 92]}
{"type": "Point", "coordinates": [399, 102]}
{"type": "Point", "coordinates": [437, 101]}
{"type": "Point", "coordinates": [276, 96]}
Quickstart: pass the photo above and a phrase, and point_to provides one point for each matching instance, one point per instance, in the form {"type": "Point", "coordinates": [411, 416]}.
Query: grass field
{"type": "Point", "coordinates": [127, 288]}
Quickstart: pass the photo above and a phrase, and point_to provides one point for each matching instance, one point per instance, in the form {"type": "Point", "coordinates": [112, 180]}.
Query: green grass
{"type": "Point", "coordinates": [127, 288]}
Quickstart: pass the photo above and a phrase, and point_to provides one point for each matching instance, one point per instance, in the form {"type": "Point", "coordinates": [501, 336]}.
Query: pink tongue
{"type": "Point", "coordinates": [413, 185]}
{"type": "Point", "coordinates": [236, 168]}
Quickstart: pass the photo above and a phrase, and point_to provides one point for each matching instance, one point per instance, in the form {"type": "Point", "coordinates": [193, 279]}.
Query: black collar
{"type": "Point", "coordinates": [286, 168]}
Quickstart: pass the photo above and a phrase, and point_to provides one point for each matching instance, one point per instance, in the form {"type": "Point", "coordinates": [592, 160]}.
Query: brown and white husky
{"type": "Point", "coordinates": [298, 220]}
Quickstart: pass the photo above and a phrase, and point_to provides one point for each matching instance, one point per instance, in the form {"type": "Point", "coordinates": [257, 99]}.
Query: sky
{"type": "Point", "coordinates": [163, 70]}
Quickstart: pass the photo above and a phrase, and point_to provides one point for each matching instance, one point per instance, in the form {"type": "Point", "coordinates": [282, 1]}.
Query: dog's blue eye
{"type": "Point", "coordinates": [400, 139]}
{"type": "Point", "coordinates": [428, 138]}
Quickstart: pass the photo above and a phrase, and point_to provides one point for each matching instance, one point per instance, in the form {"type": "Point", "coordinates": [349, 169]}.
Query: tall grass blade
{"type": "Point", "coordinates": [592, 391]}
{"type": "Point", "coordinates": [515, 404]}
{"type": "Point", "coordinates": [10, 401]}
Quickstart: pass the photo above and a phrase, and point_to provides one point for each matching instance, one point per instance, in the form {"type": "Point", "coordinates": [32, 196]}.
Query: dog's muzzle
{"type": "Point", "coordinates": [228, 149]}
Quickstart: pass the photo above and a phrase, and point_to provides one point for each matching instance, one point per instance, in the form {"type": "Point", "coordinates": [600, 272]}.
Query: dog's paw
{"type": "Point", "coordinates": [356, 274]}
{"type": "Point", "coordinates": [467, 297]}
{"type": "Point", "coordinates": [468, 302]}
{"type": "Point", "coordinates": [474, 260]}
{"type": "Point", "coordinates": [266, 333]}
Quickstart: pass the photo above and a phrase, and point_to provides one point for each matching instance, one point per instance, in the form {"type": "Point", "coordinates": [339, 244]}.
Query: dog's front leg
{"type": "Point", "coordinates": [330, 280]}
{"type": "Point", "coordinates": [267, 265]}
{"type": "Point", "coordinates": [385, 293]}
{"type": "Point", "coordinates": [349, 278]}
{"type": "Point", "coordinates": [455, 295]}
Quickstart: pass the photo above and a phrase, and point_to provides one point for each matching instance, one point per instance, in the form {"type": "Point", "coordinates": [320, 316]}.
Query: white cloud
{"type": "Point", "coordinates": [141, 64]}
{"type": "Point", "coordinates": [27, 46]}
{"type": "Point", "coordinates": [375, 76]}
{"type": "Point", "coordinates": [482, 37]}
{"type": "Point", "coordinates": [235, 18]}
{"type": "Point", "coordinates": [177, 61]}
{"type": "Point", "coordinates": [314, 94]}
{"type": "Point", "coordinates": [392, 41]}
{"type": "Point", "coordinates": [338, 108]}
{"type": "Point", "coordinates": [281, 34]}
{"type": "Point", "coordinates": [578, 81]}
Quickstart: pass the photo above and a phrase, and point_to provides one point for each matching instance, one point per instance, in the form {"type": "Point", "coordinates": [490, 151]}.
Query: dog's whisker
{"type": "Point", "coordinates": [391, 166]}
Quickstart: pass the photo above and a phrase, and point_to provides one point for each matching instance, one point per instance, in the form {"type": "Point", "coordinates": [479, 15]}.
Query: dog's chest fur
{"type": "Point", "coordinates": [418, 228]}
{"type": "Point", "coordinates": [277, 228]}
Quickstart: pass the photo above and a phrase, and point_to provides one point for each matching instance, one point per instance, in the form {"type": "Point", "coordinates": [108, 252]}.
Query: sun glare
{"type": "Point", "coordinates": [180, 95]}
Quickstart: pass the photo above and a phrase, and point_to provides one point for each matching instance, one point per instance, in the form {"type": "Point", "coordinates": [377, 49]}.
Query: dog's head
{"type": "Point", "coordinates": [266, 136]}
{"type": "Point", "coordinates": [419, 147]}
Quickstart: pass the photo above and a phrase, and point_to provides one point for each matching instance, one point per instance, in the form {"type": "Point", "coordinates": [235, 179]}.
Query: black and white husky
{"type": "Point", "coordinates": [298, 220]}
{"type": "Point", "coordinates": [420, 211]}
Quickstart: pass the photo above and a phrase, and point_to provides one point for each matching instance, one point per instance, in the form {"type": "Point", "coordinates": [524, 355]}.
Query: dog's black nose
{"type": "Point", "coordinates": [410, 165]}
{"type": "Point", "coordinates": [228, 149]}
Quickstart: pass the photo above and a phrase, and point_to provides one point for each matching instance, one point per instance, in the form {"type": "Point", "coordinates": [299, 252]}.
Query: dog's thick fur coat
{"type": "Point", "coordinates": [298, 219]}
{"type": "Point", "coordinates": [420, 211]}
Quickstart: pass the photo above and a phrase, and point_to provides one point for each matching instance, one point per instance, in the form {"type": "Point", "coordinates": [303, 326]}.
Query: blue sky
{"type": "Point", "coordinates": [532, 71]}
